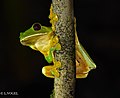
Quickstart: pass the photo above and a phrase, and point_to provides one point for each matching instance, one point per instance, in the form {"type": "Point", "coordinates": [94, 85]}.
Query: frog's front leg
{"type": "Point", "coordinates": [52, 70]}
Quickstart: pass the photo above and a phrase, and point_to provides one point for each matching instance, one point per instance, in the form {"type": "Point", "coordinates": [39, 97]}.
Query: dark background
{"type": "Point", "coordinates": [98, 28]}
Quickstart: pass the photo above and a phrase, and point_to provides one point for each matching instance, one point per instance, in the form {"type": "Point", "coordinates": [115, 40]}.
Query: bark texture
{"type": "Point", "coordinates": [64, 86]}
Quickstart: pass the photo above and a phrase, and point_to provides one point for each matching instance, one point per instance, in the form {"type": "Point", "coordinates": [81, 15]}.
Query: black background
{"type": "Point", "coordinates": [98, 29]}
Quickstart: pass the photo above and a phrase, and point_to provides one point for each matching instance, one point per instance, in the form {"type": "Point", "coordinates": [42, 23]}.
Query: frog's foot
{"type": "Point", "coordinates": [50, 71]}
{"type": "Point", "coordinates": [81, 70]}
{"type": "Point", "coordinates": [53, 18]}
{"type": "Point", "coordinates": [81, 73]}
{"type": "Point", "coordinates": [55, 43]}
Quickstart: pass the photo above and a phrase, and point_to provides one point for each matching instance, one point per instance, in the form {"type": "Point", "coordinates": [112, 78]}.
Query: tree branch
{"type": "Point", "coordinates": [64, 86]}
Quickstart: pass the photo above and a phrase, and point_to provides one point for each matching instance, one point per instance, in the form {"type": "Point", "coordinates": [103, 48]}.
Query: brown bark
{"type": "Point", "coordinates": [64, 86]}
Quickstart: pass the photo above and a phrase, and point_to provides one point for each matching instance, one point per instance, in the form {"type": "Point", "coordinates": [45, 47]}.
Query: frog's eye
{"type": "Point", "coordinates": [36, 26]}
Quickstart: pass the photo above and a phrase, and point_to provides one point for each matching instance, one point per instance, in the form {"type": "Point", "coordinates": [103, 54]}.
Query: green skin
{"type": "Point", "coordinates": [31, 36]}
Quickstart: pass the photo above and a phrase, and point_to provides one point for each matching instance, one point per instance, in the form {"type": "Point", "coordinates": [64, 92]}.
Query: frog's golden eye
{"type": "Point", "coordinates": [36, 26]}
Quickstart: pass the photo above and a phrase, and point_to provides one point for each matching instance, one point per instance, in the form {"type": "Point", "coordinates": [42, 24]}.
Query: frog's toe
{"type": "Point", "coordinates": [81, 75]}
{"type": "Point", "coordinates": [55, 72]}
{"type": "Point", "coordinates": [46, 70]}
{"type": "Point", "coordinates": [50, 71]}
{"type": "Point", "coordinates": [58, 46]}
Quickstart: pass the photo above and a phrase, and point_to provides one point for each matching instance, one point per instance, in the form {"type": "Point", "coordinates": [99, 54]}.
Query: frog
{"type": "Point", "coordinates": [43, 39]}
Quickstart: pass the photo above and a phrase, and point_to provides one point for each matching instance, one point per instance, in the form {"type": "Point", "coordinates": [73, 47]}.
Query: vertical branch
{"type": "Point", "coordinates": [64, 85]}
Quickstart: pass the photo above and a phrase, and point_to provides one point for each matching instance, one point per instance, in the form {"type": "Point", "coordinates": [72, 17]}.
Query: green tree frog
{"type": "Point", "coordinates": [43, 39]}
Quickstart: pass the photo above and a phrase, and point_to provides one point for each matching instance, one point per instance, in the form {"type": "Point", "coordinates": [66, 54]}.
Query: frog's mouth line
{"type": "Point", "coordinates": [31, 39]}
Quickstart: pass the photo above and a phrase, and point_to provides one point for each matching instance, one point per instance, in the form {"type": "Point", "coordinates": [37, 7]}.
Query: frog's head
{"type": "Point", "coordinates": [30, 36]}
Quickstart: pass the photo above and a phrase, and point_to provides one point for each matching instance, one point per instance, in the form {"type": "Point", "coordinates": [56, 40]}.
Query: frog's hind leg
{"type": "Point", "coordinates": [50, 71]}
{"type": "Point", "coordinates": [81, 70]}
